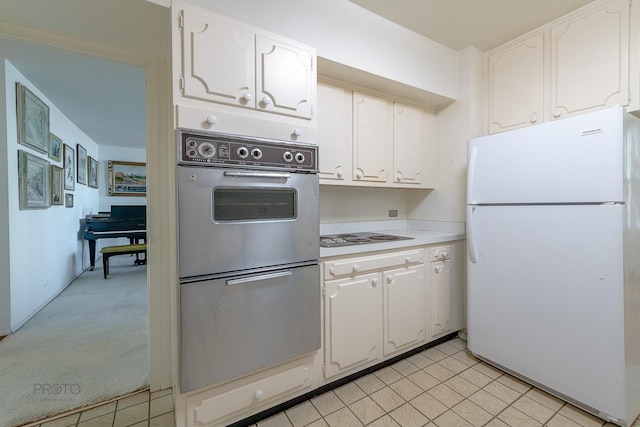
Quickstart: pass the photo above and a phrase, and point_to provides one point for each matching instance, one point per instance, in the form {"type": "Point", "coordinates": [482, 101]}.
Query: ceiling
{"type": "Point", "coordinates": [483, 24]}
{"type": "Point", "coordinates": [106, 99]}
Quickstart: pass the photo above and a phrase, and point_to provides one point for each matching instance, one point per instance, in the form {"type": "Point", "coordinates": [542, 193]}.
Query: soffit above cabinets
{"type": "Point", "coordinates": [362, 79]}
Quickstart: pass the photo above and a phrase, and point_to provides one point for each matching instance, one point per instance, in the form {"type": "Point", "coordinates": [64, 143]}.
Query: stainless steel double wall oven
{"type": "Point", "coordinates": [248, 254]}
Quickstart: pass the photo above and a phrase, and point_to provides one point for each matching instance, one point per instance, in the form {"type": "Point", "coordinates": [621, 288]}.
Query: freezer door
{"type": "Point", "coordinates": [578, 159]}
{"type": "Point", "coordinates": [545, 297]}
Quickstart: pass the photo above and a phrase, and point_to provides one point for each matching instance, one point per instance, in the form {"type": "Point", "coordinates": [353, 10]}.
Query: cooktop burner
{"type": "Point", "coordinates": [336, 240]}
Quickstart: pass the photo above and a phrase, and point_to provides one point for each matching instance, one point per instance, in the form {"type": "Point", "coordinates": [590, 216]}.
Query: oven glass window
{"type": "Point", "coordinates": [251, 204]}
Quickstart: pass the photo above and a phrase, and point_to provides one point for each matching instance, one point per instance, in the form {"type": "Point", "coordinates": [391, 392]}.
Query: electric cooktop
{"type": "Point", "coordinates": [337, 240]}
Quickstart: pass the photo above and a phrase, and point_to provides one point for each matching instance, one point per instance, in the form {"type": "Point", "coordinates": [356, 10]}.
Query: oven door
{"type": "Point", "coordinates": [233, 326]}
{"type": "Point", "coordinates": [232, 219]}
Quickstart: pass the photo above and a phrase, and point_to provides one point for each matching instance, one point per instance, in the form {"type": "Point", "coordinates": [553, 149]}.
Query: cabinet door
{"type": "Point", "coordinates": [286, 78]}
{"type": "Point", "coordinates": [413, 146]}
{"type": "Point", "coordinates": [590, 60]}
{"type": "Point", "coordinates": [516, 84]}
{"type": "Point", "coordinates": [441, 297]}
{"type": "Point", "coordinates": [353, 323]}
{"type": "Point", "coordinates": [405, 308]}
{"type": "Point", "coordinates": [217, 60]}
{"type": "Point", "coordinates": [334, 139]}
{"type": "Point", "coordinates": [372, 138]}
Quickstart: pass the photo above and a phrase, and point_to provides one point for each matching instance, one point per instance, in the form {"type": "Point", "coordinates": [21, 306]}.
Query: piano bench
{"type": "Point", "coordinates": [109, 251]}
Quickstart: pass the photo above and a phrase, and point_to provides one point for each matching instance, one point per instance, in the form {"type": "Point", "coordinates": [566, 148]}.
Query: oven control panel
{"type": "Point", "coordinates": [215, 149]}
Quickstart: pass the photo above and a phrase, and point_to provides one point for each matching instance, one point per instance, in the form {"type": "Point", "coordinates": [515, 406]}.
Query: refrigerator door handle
{"type": "Point", "coordinates": [471, 173]}
{"type": "Point", "coordinates": [471, 242]}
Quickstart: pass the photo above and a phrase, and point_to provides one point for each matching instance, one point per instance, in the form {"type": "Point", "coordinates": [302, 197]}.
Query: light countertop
{"type": "Point", "coordinates": [421, 233]}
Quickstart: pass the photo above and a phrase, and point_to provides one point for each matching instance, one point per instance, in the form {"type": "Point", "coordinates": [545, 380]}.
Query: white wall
{"type": "Point", "coordinates": [5, 288]}
{"type": "Point", "coordinates": [456, 124]}
{"type": "Point", "coordinates": [351, 204]}
{"type": "Point", "coordinates": [348, 34]}
{"type": "Point", "coordinates": [41, 267]}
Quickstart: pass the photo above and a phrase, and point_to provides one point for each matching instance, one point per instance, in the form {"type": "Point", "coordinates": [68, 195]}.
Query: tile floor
{"type": "Point", "coordinates": [443, 386]}
{"type": "Point", "coordinates": [142, 409]}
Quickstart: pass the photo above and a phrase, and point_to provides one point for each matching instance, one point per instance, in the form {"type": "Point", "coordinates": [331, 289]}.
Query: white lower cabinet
{"type": "Point", "coordinates": [239, 399]}
{"type": "Point", "coordinates": [404, 308]}
{"type": "Point", "coordinates": [441, 290]}
{"type": "Point", "coordinates": [375, 307]}
{"type": "Point", "coordinates": [353, 331]}
{"type": "Point", "coordinates": [381, 305]}
{"type": "Point", "coordinates": [446, 289]}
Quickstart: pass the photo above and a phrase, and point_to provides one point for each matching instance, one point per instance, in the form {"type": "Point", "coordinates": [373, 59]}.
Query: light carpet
{"type": "Point", "coordinates": [87, 345]}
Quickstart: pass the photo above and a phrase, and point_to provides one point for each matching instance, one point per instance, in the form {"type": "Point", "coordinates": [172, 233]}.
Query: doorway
{"type": "Point", "coordinates": [155, 86]}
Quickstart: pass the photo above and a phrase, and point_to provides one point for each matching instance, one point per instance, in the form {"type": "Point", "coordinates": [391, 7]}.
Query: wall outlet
{"type": "Point", "coordinates": [393, 213]}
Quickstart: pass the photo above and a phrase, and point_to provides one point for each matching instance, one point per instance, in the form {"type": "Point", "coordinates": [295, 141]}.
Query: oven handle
{"type": "Point", "coordinates": [258, 278]}
{"type": "Point", "coordinates": [252, 174]}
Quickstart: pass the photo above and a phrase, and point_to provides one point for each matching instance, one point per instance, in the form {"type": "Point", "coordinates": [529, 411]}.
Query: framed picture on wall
{"type": "Point", "coordinates": [33, 120]}
{"type": "Point", "coordinates": [57, 185]}
{"type": "Point", "coordinates": [68, 200]}
{"type": "Point", "coordinates": [33, 181]}
{"type": "Point", "coordinates": [55, 147]}
{"type": "Point", "coordinates": [93, 172]}
{"type": "Point", "coordinates": [127, 178]}
{"type": "Point", "coordinates": [82, 165]}
{"type": "Point", "coordinates": [69, 168]}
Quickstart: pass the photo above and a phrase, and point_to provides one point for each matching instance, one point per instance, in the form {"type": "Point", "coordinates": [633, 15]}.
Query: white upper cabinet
{"type": "Point", "coordinates": [227, 62]}
{"type": "Point", "coordinates": [516, 84]}
{"type": "Point", "coordinates": [590, 60]}
{"type": "Point", "coordinates": [368, 140]}
{"type": "Point", "coordinates": [334, 124]}
{"type": "Point", "coordinates": [206, 39]}
{"type": "Point", "coordinates": [576, 64]}
{"type": "Point", "coordinates": [372, 138]}
{"type": "Point", "coordinates": [285, 78]}
{"type": "Point", "coordinates": [413, 146]}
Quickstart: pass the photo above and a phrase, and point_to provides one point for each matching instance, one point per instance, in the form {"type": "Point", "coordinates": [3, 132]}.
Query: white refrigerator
{"type": "Point", "coordinates": [553, 235]}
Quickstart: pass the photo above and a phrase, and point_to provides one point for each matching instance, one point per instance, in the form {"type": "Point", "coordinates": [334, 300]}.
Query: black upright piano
{"type": "Point", "coordinates": [123, 221]}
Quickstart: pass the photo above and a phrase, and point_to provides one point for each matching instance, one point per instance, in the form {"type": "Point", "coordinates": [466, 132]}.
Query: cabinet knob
{"type": "Point", "coordinates": [259, 394]}
{"type": "Point", "coordinates": [212, 120]}
{"type": "Point", "coordinates": [297, 132]}
{"type": "Point", "coordinates": [339, 173]}
{"type": "Point", "coordinates": [247, 96]}
{"type": "Point", "coordinates": [359, 174]}
{"type": "Point", "coordinates": [398, 177]}
{"type": "Point", "coordinates": [408, 259]}
{"type": "Point", "coordinates": [533, 119]}
{"type": "Point", "coordinates": [390, 278]}
{"type": "Point", "coordinates": [438, 268]}
{"type": "Point", "coordinates": [356, 267]}
{"type": "Point", "coordinates": [374, 281]}
{"type": "Point", "coordinates": [442, 254]}
{"type": "Point", "coordinates": [556, 114]}
{"type": "Point", "coordinates": [266, 100]}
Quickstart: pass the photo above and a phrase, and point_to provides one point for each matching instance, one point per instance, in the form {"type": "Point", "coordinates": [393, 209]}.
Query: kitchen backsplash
{"type": "Point", "coordinates": [349, 204]}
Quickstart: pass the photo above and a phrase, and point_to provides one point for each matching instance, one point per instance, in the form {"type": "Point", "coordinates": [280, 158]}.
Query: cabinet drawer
{"type": "Point", "coordinates": [249, 399]}
{"type": "Point", "coordinates": [351, 266]}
